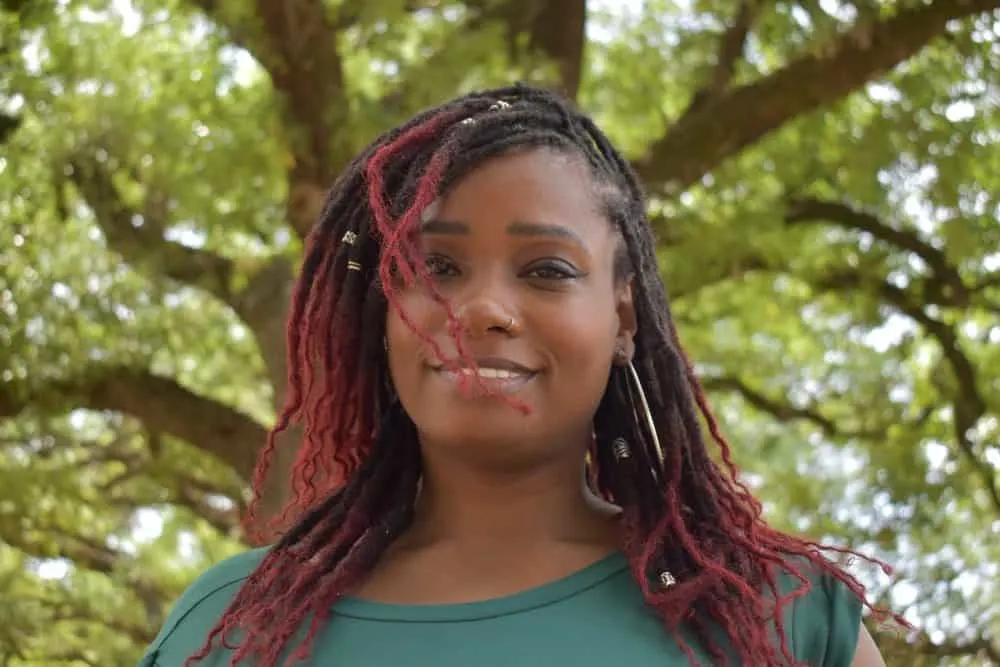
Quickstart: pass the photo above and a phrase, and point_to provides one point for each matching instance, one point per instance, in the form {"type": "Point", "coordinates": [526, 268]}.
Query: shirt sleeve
{"type": "Point", "coordinates": [827, 623]}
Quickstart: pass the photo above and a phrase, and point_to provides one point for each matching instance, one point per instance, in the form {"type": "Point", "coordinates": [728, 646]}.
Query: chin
{"type": "Point", "coordinates": [488, 426]}
{"type": "Point", "coordinates": [495, 424]}
{"type": "Point", "coordinates": [472, 407]}
{"type": "Point", "coordinates": [496, 452]}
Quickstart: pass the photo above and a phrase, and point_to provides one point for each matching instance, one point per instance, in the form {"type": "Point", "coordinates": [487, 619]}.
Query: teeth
{"type": "Point", "coordinates": [493, 373]}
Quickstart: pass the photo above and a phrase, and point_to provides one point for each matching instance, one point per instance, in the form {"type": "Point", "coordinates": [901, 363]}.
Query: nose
{"type": "Point", "coordinates": [484, 313]}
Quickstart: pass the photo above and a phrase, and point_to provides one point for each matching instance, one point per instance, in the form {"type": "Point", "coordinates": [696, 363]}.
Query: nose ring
{"type": "Point", "coordinates": [509, 325]}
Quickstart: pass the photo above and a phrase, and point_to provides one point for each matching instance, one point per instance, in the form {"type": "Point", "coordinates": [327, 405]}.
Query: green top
{"type": "Point", "coordinates": [595, 617]}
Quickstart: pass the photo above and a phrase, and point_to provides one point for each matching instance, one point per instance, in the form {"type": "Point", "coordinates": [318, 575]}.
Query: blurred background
{"type": "Point", "coordinates": [824, 178]}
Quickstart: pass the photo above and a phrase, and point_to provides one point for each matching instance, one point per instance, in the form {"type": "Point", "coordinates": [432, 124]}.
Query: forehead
{"type": "Point", "coordinates": [538, 185]}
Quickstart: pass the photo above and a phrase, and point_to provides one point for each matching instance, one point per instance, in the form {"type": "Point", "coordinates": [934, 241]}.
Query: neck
{"type": "Point", "coordinates": [509, 510]}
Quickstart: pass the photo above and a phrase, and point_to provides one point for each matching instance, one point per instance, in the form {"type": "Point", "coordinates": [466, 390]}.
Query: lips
{"type": "Point", "coordinates": [494, 374]}
{"type": "Point", "coordinates": [490, 365]}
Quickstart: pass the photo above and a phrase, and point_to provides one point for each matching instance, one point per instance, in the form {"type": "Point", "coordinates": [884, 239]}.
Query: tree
{"type": "Point", "coordinates": [822, 178]}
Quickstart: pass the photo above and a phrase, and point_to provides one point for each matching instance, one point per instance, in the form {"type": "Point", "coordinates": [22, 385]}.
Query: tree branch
{"type": "Point", "coordinates": [184, 491]}
{"type": "Point", "coordinates": [715, 272]}
{"type": "Point", "coordinates": [733, 43]}
{"type": "Point", "coordinates": [138, 235]}
{"type": "Point", "coordinates": [188, 495]}
{"type": "Point", "coordinates": [981, 647]}
{"type": "Point", "coordinates": [991, 279]}
{"type": "Point", "coordinates": [78, 550]}
{"type": "Point", "coordinates": [950, 287]}
{"type": "Point", "coordinates": [81, 550]}
{"type": "Point", "coordinates": [70, 656]}
{"type": "Point", "coordinates": [261, 303]}
{"type": "Point", "coordinates": [779, 410]}
{"type": "Point", "coordinates": [557, 30]}
{"type": "Point", "coordinates": [163, 406]}
{"type": "Point", "coordinates": [296, 42]}
{"type": "Point", "coordinates": [968, 405]}
{"type": "Point", "coordinates": [9, 124]}
{"type": "Point", "coordinates": [137, 634]}
{"type": "Point", "coordinates": [731, 47]}
{"type": "Point", "coordinates": [729, 122]}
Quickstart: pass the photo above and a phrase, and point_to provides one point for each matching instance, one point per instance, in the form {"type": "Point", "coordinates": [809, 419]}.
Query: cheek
{"type": "Point", "coordinates": [399, 338]}
{"type": "Point", "coordinates": [405, 345]}
{"type": "Point", "coordinates": [399, 349]}
{"type": "Point", "coordinates": [585, 336]}
{"type": "Point", "coordinates": [413, 308]}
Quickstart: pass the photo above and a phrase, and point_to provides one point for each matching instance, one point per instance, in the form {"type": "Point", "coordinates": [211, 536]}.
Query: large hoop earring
{"type": "Point", "coordinates": [666, 578]}
{"type": "Point", "coordinates": [647, 414]}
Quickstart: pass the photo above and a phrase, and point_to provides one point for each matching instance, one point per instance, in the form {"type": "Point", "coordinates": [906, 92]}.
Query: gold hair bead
{"type": "Point", "coordinates": [431, 211]}
{"type": "Point", "coordinates": [353, 266]}
{"type": "Point", "coordinates": [349, 238]}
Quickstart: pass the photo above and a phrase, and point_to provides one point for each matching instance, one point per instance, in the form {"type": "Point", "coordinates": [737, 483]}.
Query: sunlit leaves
{"type": "Point", "coordinates": [827, 349]}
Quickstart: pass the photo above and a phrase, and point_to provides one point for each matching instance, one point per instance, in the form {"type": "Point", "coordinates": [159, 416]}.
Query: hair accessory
{"type": "Point", "coordinates": [496, 106]}
{"type": "Point", "coordinates": [621, 354]}
{"type": "Point", "coordinates": [353, 266]}
{"type": "Point", "coordinates": [620, 449]}
{"type": "Point", "coordinates": [349, 238]}
{"type": "Point", "coordinates": [650, 425]}
{"type": "Point", "coordinates": [666, 579]}
{"type": "Point", "coordinates": [431, 211]}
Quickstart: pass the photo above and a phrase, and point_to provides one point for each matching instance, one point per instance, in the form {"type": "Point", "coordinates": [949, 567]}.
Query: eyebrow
{"type": "Point", "coordinates": [517, 228]}
{"type": "Point", "coordinates": [543, 229]}
{"type": "Point", "coordinates": [444, 227]}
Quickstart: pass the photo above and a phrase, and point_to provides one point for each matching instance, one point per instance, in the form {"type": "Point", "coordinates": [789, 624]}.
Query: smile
{"type": "Point", "coordinates": [493, 373]}
{"type": "Point", "coordinates": [493, 380]}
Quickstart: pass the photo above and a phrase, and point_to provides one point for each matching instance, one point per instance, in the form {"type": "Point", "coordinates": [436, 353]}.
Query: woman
{"type": "Point", "coordinates": [480, 338]}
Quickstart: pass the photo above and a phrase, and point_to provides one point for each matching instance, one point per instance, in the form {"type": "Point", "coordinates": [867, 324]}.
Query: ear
{"type": "Point", "coordinates": [625, 308]}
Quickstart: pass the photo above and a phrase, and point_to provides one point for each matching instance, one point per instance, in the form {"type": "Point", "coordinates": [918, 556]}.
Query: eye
{"type": "Point", "coordinates": [552, 270]}
{"type": "Point", "coordinates": [439, 266]}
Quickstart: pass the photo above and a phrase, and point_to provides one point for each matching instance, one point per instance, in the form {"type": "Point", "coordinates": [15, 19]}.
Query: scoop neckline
{"type": "Point", "coordinates": [533, 598]}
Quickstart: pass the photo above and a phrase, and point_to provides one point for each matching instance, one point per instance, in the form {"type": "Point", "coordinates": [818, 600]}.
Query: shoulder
{"type": "Point", "coordinates": [200, 606]}
{"type": "Point", "coordinates": [824, 624]}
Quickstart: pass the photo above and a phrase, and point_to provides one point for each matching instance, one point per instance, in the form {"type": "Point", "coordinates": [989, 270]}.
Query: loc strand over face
{"type": "Point", "coordinates": [482, 294]}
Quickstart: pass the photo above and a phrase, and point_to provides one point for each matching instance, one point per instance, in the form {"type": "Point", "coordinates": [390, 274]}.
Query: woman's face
{"type": "Point", "coordinates": [521, 249]}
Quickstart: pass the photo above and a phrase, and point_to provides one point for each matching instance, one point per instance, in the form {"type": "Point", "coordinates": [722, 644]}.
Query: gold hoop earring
{"type": "Point", "coordinates": [647, 414]}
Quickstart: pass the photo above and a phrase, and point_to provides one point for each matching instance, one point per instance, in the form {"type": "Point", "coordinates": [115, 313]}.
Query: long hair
{"type": "Point", "coordinates": [684, 514]}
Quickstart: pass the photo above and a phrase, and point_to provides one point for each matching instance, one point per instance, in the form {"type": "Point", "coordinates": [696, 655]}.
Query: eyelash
{"type": "Point", "coordinates": [439, 266]}
{"type": "Point", "coordinates": [560, 272]}
{"type": "Point", "coordinates": [434, 262]}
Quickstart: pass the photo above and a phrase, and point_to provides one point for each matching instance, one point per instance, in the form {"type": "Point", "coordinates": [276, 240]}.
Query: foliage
{"type": "Point", "coordinates": [823, 177]}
